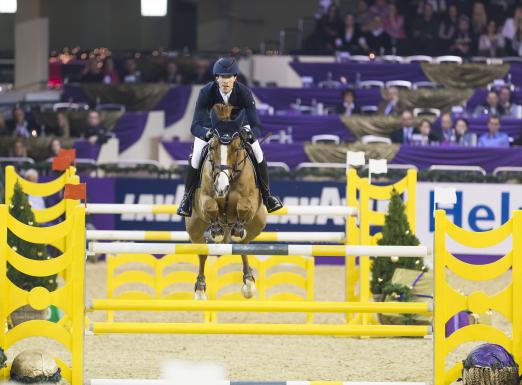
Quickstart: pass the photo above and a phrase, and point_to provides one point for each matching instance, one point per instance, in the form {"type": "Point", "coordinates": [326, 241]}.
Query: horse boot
{"type": "Point", "coordinates": [191, 180]}
{"type": "Point", "coordinates": [271, 202]}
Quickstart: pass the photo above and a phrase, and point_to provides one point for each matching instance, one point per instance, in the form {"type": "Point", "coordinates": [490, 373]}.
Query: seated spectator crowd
{"type": "Point", "coordinates": [434, 27]}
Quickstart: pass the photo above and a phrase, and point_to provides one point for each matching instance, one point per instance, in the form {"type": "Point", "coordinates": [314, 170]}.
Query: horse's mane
{"type": "Point", "coordinates": [223, 111]}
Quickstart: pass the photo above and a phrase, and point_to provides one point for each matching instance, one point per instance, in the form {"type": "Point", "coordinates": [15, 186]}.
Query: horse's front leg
{"type": "Point", "coordinates": [201, 286]}
{"type": "Point", "coordinates": [211, 212]}
{"type": "Point", "coordinates": [244, 214]}
{"type": "Point", "coordinates": [249, 283]}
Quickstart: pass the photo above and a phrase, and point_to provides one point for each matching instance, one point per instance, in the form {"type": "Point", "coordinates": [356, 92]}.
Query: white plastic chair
{"type": "Point", "coordinates": [426, 111]}
{"type": "Point", "coordinates": [448, 59]}
{"type": "Point", "coordinates": [371, 84]}
{"type": "Point", "coordinates": [326, 138]}
{"type": "Point", "coordinates": [418, 59]}
{"type": "Point", "coordinates": [375, 139]}
{"type": "Point", "coordinates": [399, 84]}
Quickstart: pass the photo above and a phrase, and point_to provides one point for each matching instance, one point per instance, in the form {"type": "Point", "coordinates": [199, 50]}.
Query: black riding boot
{"type": "Point", "coordinates": [185, 206]}
{"type": "Point", "coordinates": [271, 202]}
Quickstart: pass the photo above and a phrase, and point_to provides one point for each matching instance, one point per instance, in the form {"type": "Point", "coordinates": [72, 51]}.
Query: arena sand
{"type": "Point", "coordinates": [260, 357]}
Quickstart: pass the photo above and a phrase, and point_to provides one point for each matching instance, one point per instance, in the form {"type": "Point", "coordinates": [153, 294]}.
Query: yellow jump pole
{"type": "Point", "coordinates": [258, 306]}
{"type": "Point", "coordinates": [265, 329]}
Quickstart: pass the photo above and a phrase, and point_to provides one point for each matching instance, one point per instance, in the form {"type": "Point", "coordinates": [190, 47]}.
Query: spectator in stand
{"type": "Point", "coordinates": [494, 138]}
{"type": "Point", "coordinates": [92, 72]}
{"type": "Point", "coordinates": [63, 128]}
{"type": "Point", "coordinates": [446, 133]}
{"type": "Point", "coordinates": [110, 75]}
{"type": "Point", "coordinates": [329, 27]}
{"type": "Point", "coordinates": [491, 42]}
{"type": "Point", "coordinates": [173, 76]}
{"type": "Point", "coordinates": [95, 132]}
{"type": "Point", "coordinates": [54, 148]}
{"type": "Point", "coordinates": [405, 134]}
{"type": "Point", "coordinates": [479, 18]}
{"type": "Point", "coordinates": [3, 126]}
{"type": "Point", "coordinates": [448, 25]}
{"type": "Point", "coordinates": [506, 107]}
{"type": "Point", "coordinates": [377, 39]}
{"type": "Point", "coordinates": [131, 74]}
{"type": "Point", "coordinates": [394, 23]}
{"type": "Point", "coordinates": [363, 16]}
{"type": "Point", "coordinates": [516, 42]}
{"type": "Point", "coordinates": [203, 73]}
{"type": "Point", "coordinates": [425, 28]}
{"type": "Point", "coordinates": [510, 25]}
{"type": "Point", "coordinates": [427, 136]}
{"type": "Point", "coordinates": [20, 126]}
{"type": "Point", "coordinates": [462, 135]}
{"type": "Point", "coordinates": [390, 106]}
{"type": "Point", "coordinates": [350, 36]}
{"type": "Point", "coordinates": [380, 8]}
{"type": "Point", "coordinates": [491, 107]}
{"type": "Point", "coordinates": [347, 107]}
{"type": "Point", "coordinates": [18, 150]}
{"type": "Point", "coordinates": [36, 202]}
{"type": "Point", "coordinates": [438, 6]}
{"type": "Point", "coordinates": [464, 41]}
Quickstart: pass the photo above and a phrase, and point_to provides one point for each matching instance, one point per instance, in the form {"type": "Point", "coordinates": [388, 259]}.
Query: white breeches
{"type": "Point", "coordinates": [200, 144]}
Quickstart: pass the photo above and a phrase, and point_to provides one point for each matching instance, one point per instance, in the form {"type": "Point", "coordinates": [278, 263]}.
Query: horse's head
{"type": "Point", "coordinates": [226, 148]}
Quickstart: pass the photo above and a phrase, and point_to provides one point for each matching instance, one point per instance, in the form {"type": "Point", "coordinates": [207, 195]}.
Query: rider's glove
{"type": "Point", "coordinates": [208, 134]}
{"type": "Point", "coordinates": [246, 133]}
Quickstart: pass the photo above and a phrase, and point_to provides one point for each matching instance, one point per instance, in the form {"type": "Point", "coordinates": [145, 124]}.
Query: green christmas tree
{"type": "Point", "coordinates": [396, 232]}
{"type": "Point", "coordinates": [20, 208]}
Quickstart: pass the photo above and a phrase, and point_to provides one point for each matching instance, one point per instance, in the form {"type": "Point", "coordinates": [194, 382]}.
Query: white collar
{"type": "Point", "coordinates": [225, 96]}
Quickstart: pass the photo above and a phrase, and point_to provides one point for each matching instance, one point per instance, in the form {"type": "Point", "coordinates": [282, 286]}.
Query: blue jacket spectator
{"type": "Point", "coordinates": [494, 138]}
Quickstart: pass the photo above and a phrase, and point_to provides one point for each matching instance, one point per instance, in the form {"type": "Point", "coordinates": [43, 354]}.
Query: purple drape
{"type": "Point", "coordinates": [487, 158]}
{"type": "Point", "coordinates": [303, 127]}
{"type": "Point", "coordinates": [174, 103]}
{"type": "Point", "coordinates": [368, 71]}
{"type": "Point", "coordinates": [86, 150]}
{"type": "Point", "coordinates": [129, 128]}
{"type": "Point", "coordinates": [281, 98]}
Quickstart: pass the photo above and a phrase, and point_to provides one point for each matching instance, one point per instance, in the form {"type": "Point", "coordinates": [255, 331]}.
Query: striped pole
{"type": "Point", "coordinates": [260, 306]}
{"type": "Point", "coordinates": [256, 249]}
{"type": "Point", "coordinates": [135, 381]}
{"type": "Point", "coordinates": [270, 329]}
{"type": "Point", "coordinates": [182, 236]}
{"type": "Point", "coordinates": [115, 208]}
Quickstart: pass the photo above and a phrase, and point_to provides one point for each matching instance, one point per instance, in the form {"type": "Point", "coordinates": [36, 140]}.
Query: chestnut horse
{"type": "Point", "coordinates": [227, 205]}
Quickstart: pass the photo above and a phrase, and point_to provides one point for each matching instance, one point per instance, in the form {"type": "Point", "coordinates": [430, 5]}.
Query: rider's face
{"type": "Point", "coordinates": [226, 82]}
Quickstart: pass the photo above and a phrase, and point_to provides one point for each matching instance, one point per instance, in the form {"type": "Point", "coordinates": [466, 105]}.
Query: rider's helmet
{"type": "Point", "coordinates": [226, 66]}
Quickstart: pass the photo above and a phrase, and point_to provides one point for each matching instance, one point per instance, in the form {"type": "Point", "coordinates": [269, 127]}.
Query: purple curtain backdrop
{"type": "Point", "coordinates": [368, 71]}
{"type": "Point", "coordinates": [281, 98]}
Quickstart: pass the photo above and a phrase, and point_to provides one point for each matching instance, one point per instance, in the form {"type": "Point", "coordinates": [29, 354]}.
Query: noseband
{"type": "Point", "coordinates": [235, 169]}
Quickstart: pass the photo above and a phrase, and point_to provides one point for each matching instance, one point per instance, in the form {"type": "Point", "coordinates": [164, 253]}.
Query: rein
{"type": "Point", "coordinates": [235, 168]}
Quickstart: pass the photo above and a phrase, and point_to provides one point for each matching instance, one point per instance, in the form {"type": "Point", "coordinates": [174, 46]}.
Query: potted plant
{"type": "Point", "coordinates": [20, 208]}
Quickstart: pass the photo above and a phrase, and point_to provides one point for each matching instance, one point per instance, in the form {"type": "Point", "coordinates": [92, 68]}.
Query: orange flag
{"type": "Point", "coordinates": [68, 153]}
{"type": "Point", "coordinates": [75, 191]}
{"type": "Point", "coordinates": [61, 163]}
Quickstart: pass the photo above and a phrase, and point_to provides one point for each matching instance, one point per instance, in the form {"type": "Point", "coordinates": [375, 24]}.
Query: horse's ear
{"type": "Point", "coordinates": [223, 111]}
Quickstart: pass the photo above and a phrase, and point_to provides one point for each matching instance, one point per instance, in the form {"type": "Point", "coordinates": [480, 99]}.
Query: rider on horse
{"type": "Point", "coordinates": [226, 89]}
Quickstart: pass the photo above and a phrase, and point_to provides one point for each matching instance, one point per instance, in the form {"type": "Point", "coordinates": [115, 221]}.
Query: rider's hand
{"type": "Point", "coordinates": [208, 134]}
{"type": "Point", "coordinates": [246, 133]}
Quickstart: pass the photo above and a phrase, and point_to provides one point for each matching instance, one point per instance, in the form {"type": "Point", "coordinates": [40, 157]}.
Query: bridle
{"type": "Point", "coordinates": [236, 169]}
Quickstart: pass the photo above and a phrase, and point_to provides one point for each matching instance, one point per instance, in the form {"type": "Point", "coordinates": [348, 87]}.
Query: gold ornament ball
{"type": "Point", "coordinates": [33, 364]}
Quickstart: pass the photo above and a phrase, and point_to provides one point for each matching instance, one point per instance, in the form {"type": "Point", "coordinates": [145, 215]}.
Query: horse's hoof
{"type": "Point", "coordinates": [249, 289]}
{"type": "Point", "coordinates": [200, 295]}
{"type": "Point", "coordinates": [218, 238]}
{"type": "Point", "coordinates": [240, 237]}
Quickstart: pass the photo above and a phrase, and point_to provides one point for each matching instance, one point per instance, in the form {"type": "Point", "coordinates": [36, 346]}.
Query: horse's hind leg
{"type": "Point", "coordinates": [249, 283]}
{"type": "Point", "coordinates": [201, 285]}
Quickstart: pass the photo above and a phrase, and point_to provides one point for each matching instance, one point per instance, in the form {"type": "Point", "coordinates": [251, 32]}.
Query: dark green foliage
{"type": "Point", "coordinates": [3, 359]}
{"type": "Point", "coordinates": [396, 232]}
{"type": "Point", "coordinates": [20, 208]}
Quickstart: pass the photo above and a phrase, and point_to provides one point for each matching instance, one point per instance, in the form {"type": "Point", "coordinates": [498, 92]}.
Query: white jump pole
{"type": "Point", "coordinates": [257, 249]}
{"type": "Point", "coordinates": [110, 208]}
{"type": "Point", "coordinates": [182, 236]}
